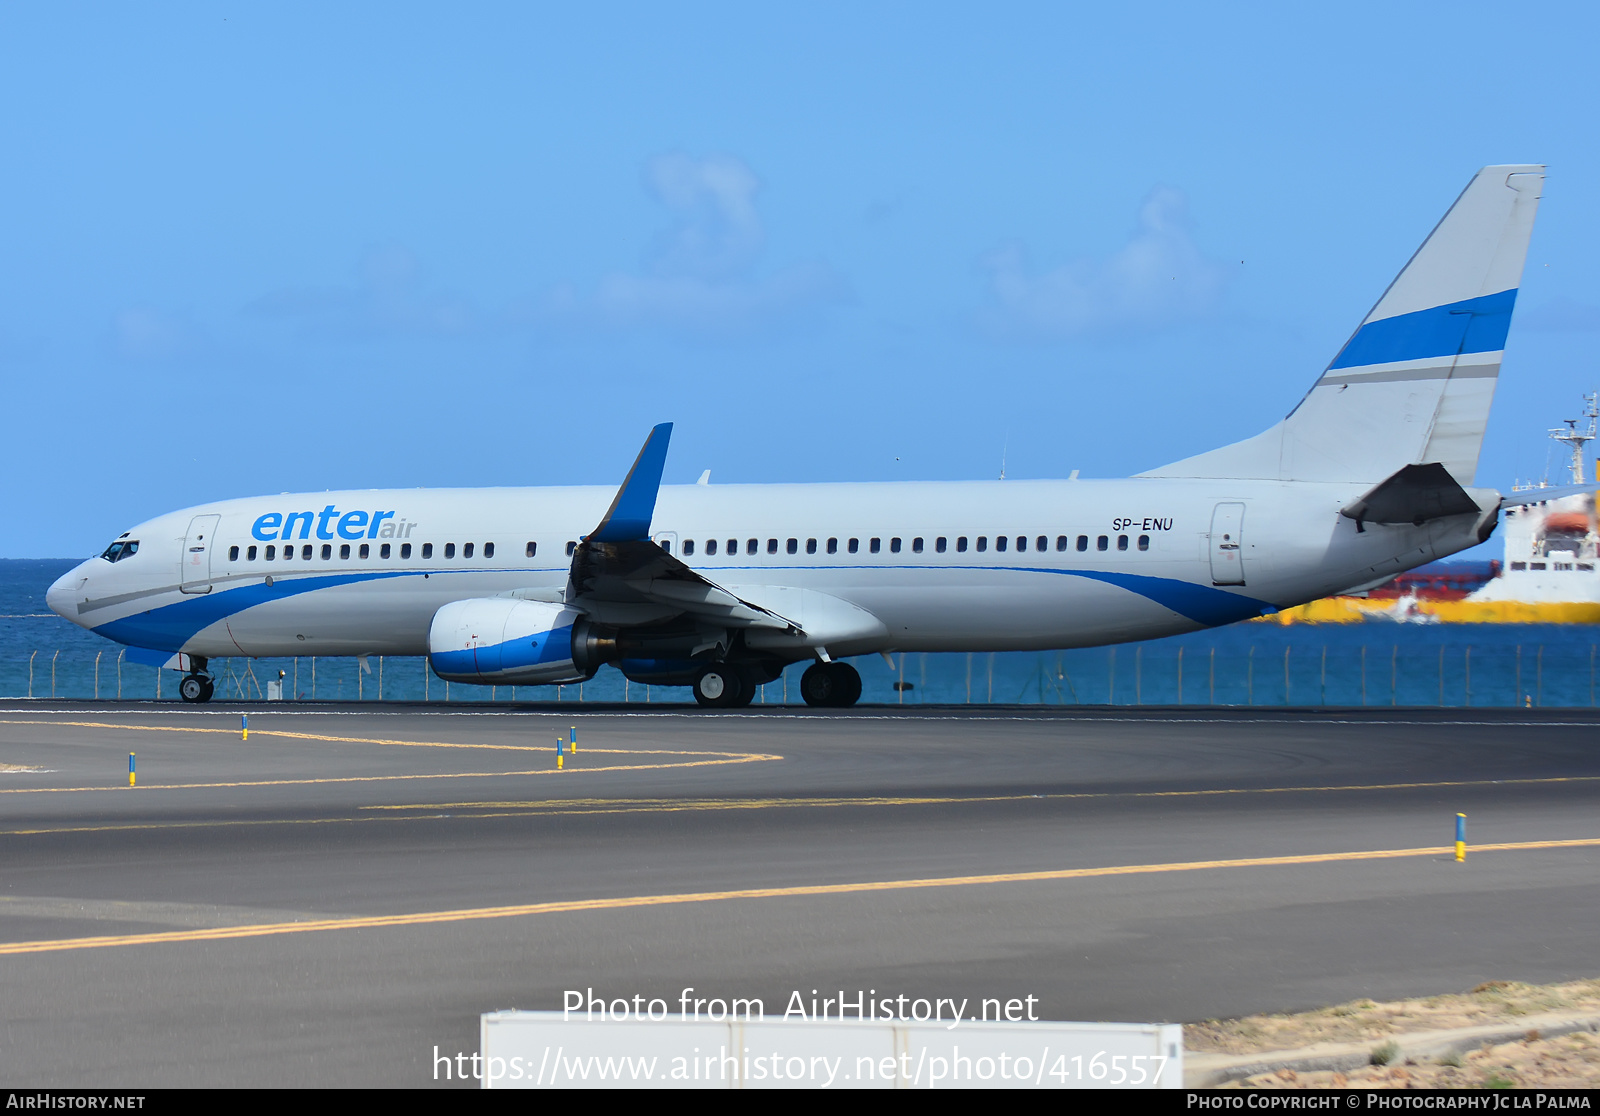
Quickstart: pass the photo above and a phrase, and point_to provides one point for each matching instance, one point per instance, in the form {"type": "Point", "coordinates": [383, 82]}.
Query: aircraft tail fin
{"type": "Point", "coordinates": [1414, 383]}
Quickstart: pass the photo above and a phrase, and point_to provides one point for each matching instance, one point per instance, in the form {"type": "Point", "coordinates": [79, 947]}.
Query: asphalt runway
{"type": "Point", "coordinates": [327, 902]}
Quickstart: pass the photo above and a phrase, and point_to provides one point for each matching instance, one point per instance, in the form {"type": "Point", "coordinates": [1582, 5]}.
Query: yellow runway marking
{"type": "Point", "coordinates": [354, 739]}
{"type": "Point", "coordinates": [724, 758]}
{"type": "Point", "coordinates": [479, 914]}
{"type": "Point", "coordinates": [708, 759]}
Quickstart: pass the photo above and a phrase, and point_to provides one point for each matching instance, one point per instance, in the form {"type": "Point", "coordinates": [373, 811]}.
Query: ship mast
{"type": "Point", "coordinates": [1576, 439]}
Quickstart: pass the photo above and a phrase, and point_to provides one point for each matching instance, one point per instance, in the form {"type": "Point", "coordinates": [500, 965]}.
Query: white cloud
{"type": "Point", "coordinates": [700, 274]}
{"type": "Point", "coordinates": [1157, 279]}
{"type": "Point", "coordinates": [389, 298]}
{"type": "Point", "coordinates": [141, 333]}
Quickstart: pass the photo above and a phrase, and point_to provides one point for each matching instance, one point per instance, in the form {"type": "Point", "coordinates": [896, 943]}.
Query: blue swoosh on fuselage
{"type": "Point", "coordinates": [169, 627]}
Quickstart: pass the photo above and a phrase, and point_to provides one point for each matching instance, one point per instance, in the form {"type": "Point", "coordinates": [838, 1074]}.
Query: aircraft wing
{"type": "Point", "coordinates": [617, 564]}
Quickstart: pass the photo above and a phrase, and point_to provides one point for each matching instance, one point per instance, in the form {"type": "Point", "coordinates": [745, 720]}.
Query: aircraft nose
{"type": "Point", "coordinates": [63, 596]}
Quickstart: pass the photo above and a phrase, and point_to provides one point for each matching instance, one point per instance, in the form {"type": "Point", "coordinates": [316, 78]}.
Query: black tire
{"type": "Point", "coordinates": [819, 686]}
{"type": "Point", "coordinates": [719, 687]}
{"type": "Point", "coordinates": [211, 688]}
{"type": "Point", "coordinates": [194, 688]}
{"type": "Point", "coordinates": [830, 685]}
{"type": "Point", "coordinates": [849, 684]}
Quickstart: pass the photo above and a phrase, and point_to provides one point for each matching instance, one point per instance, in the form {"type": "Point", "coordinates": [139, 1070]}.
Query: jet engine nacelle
{"type": "Point", "coordinates": [505, 641]}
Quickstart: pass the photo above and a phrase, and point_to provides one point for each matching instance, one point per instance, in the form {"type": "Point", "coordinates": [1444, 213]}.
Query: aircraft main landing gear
{"type": "Point", "coordinates": [719, 686]}
{"type": "Point", "coordinates": [196, 688]}
{"type": "Point", "coordinates": [830, 685]}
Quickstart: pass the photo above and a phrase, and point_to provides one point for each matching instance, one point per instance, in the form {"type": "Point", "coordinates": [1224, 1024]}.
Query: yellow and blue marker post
{"type": "Point", "coordinates": [572, 743]}
{"type": "Point", "coordinates": [244, 726]}
{"type": "Point", "coordinates": [560, 759]}
{"type": "Point", "coordinates": [130, 769]}
{"type": "Point", "coordinates": [1461, 838]}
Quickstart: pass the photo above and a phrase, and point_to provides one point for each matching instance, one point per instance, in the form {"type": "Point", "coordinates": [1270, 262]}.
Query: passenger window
{"type": "Point", "coordinates": [875, 545]}
{"type": "Point", "coordinates": [688, 547]}
{"type": "Point", "coordinates": [270, 553]}
{"type": "Point", "coordinates": [916, 546]}
{"type": "Point", "coordinates": [733, 547]}
{"type": "Point", "coordinates": [405, 550]}
{"type": "Point", "coordinates": [665, 544]}
{"type": "Point", "coordinates": [939, 544]}
{"type": "Point", "coordinates": [233, 554]}
{"type": "Point", "coordinates": [855, 545]}
{"type": "Point", "coordinates": [1100, 543]}
{"type": "Point", "coordinates": [833, 546]}
{"type": "Point", "coordinates": [384, 552]}
{"type": "Point", "coordinates": [466, 550]}
{"type": "Point", "coordinates": [305, 553]}
{"type": "Point", "coordinates": [366, 551]}
{"type": "Point", "coordinates": [488, 550]}
{"type": "Point", "coordinates": [1061, 542]}
{"type": "Point", "coordinates": [344, 552]}
{"type": "Point", "coordinates": [1022, 543]}
{"type": "Point", "coordinates": [449, 550]}
{"type": "Point", "coordinates": [999, 543]}
{"type": "Point", "coordinates": [793, 546]}
{"type": "Point", "coordinates": [1144, 542]}
{"type": "Point", "coordinates": [711, 546]}
{"type": "Point", "coordinates": [772, 546]}
{"type": "Point", "coordinates": [811, 546]}
{"type": "Point", "coordinates": [983, 543]}
{"type": "Point", "coordinates": [250, 555]}
{"type": "Point", "coordinates": [1122, 542]}
{"type": "Point", "coordinates": [427, 550]}
{"type": "Point", "coordinates": [532, 549]}
{"type": "Point", "coordinates": [1042, 543]}
{"type": "Point", "coordinates": [327, 551]}
{"type": "Point", "coordinates": [894, 546]}
{"type": "Point", "coordinates": [752, 545]}
{"type": "Point", "coordinates": [961, 544]}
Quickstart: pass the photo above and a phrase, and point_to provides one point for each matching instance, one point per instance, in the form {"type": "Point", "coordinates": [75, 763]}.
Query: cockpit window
{"type": "Point", "coordinates": [122, 548]}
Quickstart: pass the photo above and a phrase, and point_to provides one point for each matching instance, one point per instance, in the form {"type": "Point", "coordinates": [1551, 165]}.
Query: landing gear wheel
{"type": "Point", "coordinates": [719, 687]}
{"type": "Point", "coordinates": [195, 688]}
{"type": "Point", "coordinates": [830, 685]}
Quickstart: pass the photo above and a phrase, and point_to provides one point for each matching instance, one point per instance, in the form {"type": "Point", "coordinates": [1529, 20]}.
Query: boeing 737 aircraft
{"type": "Point", "coordinates": [718, 587]}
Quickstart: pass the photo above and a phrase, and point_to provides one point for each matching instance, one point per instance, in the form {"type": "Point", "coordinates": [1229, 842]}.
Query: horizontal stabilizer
{"type": "Point", "coordinates": [1415, 494]}
{"type": "Point", "coordinates": [1540, 495]}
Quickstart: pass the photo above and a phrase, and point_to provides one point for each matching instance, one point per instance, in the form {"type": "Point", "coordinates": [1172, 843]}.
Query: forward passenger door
{"type": "Point", "coordinates": [197, 550]}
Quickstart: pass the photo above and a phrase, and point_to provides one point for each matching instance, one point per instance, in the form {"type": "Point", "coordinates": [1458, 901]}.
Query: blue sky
{"type": "Point", "coordinates": [321, 246]}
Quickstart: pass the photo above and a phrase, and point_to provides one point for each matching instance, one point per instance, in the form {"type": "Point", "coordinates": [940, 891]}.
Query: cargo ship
{"type": "Point", "coordinates": [1548, 574]}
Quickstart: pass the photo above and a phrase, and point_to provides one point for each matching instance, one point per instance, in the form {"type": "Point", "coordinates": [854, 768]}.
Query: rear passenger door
{"type": "Point", "coordinates": [1227, 544]}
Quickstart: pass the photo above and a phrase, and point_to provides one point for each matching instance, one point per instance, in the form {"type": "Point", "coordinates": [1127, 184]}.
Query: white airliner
{"type": "Point", "coordinates": [718, 587]}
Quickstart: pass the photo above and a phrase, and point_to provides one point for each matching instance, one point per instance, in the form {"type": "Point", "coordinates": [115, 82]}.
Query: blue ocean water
{"type": "Point", "coordinates": [1376, 663]}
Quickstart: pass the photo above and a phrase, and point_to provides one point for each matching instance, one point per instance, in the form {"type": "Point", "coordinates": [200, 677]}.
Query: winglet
{"type": "Point", "coordinates": [630, 513]}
